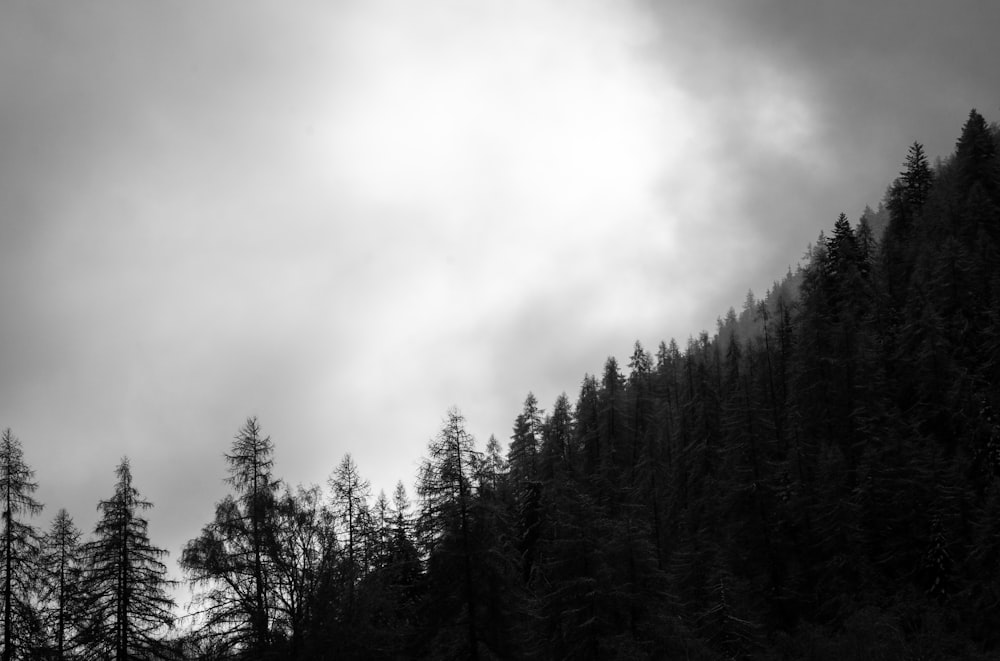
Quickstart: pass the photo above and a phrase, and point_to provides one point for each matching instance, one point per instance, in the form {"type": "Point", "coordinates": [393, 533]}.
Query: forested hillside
{"type": "Point", "coordinates": [820, 479]}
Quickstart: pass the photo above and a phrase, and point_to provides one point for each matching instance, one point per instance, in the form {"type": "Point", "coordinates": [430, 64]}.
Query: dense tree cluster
{"type": "Point", "coordinates": [820, 479]}
{"type": "Point", "coordinates": [65, 598]}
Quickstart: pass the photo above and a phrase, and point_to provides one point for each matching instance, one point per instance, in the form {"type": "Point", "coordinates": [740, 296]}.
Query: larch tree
{"type": "Point", "coordinates": [63, 597]}
{"type": "Point", "coordinates": [130, 609]}
{"type": "Point", "coordinates": [250, 464]}
{"type": "Point", "coordinates": [19, 541]}
{"type": "Point", "coordinates": [231, 556]}
{"type": "Point", "coordinates": [445, 533]}
{"type": "Point", "coordinates": [350, 503]}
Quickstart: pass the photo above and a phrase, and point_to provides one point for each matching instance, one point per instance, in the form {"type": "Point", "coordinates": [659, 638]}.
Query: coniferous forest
{"type": "Point", "coordinates": [819, 479]}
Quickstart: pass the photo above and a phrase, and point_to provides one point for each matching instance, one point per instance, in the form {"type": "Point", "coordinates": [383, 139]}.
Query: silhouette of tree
{"type": "Point", "coordinates": [20, 544]}
{"type": "Point", "coordinates": [230, 559]}
{"type": "Point", "coordinates": [349, 505]}
{"type": "Point", "coordinates": [445, 531]}
{"type": "Point", "coordinates": [63, 599]}
{"type": "Point", "coordinates": [129, 607]}
{"type": "Point", "coordinates": [523, 457]}
{"type": "Point", "coordinates": [301, 555]}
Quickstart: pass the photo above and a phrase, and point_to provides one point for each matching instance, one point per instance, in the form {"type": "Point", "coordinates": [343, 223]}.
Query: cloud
{"type": "Point", "coordinates": [346, 217]}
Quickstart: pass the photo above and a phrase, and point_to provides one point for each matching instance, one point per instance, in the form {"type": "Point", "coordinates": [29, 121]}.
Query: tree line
{"type": "Point", "coordinates": [65, 598]}
{"type": "Point", "coordinates": [818, 479]}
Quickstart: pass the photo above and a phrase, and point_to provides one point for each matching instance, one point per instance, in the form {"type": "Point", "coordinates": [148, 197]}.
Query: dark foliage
{"type": "Point", "coordinates": [820, 479]}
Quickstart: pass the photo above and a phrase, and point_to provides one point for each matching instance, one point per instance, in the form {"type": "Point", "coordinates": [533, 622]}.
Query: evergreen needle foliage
{"type": "Point", "coordinates": [818, 479]}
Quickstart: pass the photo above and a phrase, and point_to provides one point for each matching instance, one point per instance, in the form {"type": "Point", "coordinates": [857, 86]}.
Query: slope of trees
{"type": "Point", "coordinates": [818, 479]}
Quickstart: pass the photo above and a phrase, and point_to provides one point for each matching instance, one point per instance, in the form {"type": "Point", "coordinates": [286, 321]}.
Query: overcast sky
{"type": "Point", "coordinates": [345, 217]}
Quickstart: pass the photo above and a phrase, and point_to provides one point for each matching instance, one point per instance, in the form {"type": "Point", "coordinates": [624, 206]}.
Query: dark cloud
{"type": "Point", "coordinates": [846, 87]}
{"type": "Point", "coordinates": [887, 72]}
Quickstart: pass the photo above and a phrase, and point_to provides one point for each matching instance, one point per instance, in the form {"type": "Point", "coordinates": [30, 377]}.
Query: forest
{"type": "Point", "coordinates": [818, 479]}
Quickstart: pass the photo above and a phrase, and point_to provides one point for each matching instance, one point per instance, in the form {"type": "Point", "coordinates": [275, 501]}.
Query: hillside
{"type": "Point", "coordinates": [818, 479]}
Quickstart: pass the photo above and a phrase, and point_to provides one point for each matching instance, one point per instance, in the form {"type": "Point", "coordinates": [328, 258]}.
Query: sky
{"type": "Point", "coordinates": [345, 217]}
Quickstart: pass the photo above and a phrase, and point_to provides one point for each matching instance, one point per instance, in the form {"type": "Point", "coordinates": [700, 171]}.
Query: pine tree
{"type": "Point", "coordinates": [587, 416]}
{"type": "Point", "coordinates": [19, 542]}
{"type": "Point", "coordinates": [906, 198]}
{"type": "Point", "coordinates": [524, 445]}
{"type": "Point", "coordinates": [612, 426]}
{"type": "Point", "coordinates": [557, 439]}
{"type": "Point", "coordinates": [493, 469]}
{"type": "Point", "coordinates": [976, 158]}
{"type": "Point", "coordinates": [525, 463]}
{"type": "Point", "coordinates": [404, 565]}
{"type": "Point", "coordinates": [917, 178]}
{"type": "Point", "coordinates": [639, 413]}
{"type": "Point", "coordinates": [130, 609]}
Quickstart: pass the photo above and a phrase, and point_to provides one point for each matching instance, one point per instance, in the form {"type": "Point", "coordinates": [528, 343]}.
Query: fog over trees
{"type": "Point", "coordinates": [819, 478]}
